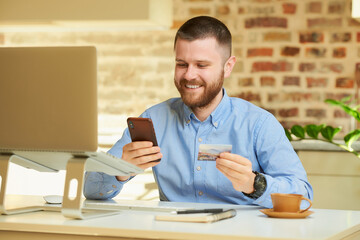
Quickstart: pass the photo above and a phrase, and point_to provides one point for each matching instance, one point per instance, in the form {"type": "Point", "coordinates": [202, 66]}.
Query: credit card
{"type": "Point", "coordinates": [209, 152]}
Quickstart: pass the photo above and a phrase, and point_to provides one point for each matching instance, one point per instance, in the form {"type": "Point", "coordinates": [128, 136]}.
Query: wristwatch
{"type": "Point", "coordinates": [259, 186]}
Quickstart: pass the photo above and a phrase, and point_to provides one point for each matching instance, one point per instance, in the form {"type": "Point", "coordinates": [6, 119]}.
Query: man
{"type": "Point", "coordinates": [261, 162]}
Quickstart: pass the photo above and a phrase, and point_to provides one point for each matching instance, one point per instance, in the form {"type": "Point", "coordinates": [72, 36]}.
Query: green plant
{"type": "Point", "coordinates": [312, 131]}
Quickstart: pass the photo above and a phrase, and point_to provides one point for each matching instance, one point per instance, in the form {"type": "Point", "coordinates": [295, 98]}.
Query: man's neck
{"type": "Point", "coordinates": [202, 113]}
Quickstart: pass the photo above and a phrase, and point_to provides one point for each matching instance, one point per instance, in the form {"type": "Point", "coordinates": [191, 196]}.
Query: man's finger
{"type": "Point", "coordinates": [233, 166]}
{"type": "Point", "coordinates": [148, 165]}
{"type": "Point", "coordinates": [235, 158]}
{"type": "Point", "coordinates": [136, 145]}
{"type": "Point", "coordinates": [229, 172]}
{"type": "Point", "coordinates": [143, 152]}
{"type": "Point", "coordinates": [147, 158]}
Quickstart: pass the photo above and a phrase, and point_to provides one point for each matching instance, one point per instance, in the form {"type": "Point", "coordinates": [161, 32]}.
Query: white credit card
{"type": "Point", "coordinates": [209, 152]}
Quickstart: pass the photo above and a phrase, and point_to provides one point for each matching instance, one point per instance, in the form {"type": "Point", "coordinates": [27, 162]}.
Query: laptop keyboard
{"type": "Point", "coordinates": [139, 206]}
{"type": "Point", "coordinates": [109, 159]}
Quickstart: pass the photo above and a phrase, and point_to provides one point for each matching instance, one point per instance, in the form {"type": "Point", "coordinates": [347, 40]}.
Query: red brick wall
{"type": "Point", "coordinates": [293, 55]}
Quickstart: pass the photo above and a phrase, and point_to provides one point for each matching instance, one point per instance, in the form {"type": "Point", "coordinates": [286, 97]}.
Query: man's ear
{"type": "Point", "coordinates": [230, 63]}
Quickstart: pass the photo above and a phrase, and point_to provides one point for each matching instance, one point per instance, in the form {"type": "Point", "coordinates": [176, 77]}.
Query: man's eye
{"type": "Point", "coordinates": [181, 64]}
{"type": "Point", "coordinates": [202, 65]}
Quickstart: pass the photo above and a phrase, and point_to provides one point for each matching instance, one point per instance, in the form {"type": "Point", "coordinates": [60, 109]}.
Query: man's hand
{"type": "Point", "coordinates": [142, 154]}
{"type": "Point", "coordinates": [238, 170]}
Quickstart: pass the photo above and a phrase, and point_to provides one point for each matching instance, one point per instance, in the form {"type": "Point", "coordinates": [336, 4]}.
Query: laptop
{"type": "Point", "coordinates": [48, 104]}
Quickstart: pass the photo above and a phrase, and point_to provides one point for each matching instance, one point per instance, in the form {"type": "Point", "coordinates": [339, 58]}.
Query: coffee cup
{"type": "Point", "coordinates": [289, 202]}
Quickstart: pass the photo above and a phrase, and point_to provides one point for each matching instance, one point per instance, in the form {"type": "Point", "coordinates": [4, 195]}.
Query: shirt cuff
{"type": "Point", "coordinates": [101, 186]}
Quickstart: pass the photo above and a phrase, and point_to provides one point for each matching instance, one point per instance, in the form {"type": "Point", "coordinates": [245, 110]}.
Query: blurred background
{"type": "Point", "coordinates": [291, 56]}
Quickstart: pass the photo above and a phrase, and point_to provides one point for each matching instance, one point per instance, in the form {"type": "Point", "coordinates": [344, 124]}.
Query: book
{"type": "Point", "coordinates": [198, 218]}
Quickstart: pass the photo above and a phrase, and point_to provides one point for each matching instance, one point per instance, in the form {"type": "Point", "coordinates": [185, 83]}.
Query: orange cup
{"type": "Point", "coordinates": [283, 202]}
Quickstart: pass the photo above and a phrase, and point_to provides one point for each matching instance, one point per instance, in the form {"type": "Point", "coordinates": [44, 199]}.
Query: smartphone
{"type": "Point", "coordinates": [142, 129]}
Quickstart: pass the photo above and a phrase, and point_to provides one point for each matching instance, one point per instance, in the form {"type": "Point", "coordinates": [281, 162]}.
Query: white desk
{"type": "Point", "coordinates": [249, 223]}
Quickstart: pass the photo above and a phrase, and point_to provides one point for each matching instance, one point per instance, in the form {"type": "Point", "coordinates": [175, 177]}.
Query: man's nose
{"type": "Point", "coordinates": [190, 73]}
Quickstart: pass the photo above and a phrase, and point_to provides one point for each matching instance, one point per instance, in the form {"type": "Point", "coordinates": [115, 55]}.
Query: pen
{"type": "Point", "coordinates": [208, 210]}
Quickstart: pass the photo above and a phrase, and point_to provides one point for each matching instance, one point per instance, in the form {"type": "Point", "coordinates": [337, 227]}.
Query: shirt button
{"type": "Point", "coordinates": [215, 124]}
{"type": "Point", "coordinates": [201, 193]}
{"type": "Point", "coordinates": [200, 139]}
{"type": "Point", "coordinates": [198, 168]}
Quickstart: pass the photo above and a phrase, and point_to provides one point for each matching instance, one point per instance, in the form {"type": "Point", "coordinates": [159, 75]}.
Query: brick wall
{"type": "Point", "coordinates": [292, 55]}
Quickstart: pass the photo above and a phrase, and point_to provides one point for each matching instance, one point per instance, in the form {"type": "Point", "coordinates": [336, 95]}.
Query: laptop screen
{"type": "Point", "coordinates": [48, 99]}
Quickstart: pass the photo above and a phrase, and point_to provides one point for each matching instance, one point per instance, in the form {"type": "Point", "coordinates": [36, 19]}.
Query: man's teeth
{"type": "Point", "coordinates": [192, 86]}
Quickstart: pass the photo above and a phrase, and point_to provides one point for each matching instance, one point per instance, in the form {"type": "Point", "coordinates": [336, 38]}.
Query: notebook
{"type": "Point", "coordinates": [198, 217]}
{"type": "Point", "coordinates": [48, 104]}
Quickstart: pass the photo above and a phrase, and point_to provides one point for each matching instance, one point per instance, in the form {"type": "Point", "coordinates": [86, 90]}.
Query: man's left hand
{"type": "Point", "coordinates": [238, 170]}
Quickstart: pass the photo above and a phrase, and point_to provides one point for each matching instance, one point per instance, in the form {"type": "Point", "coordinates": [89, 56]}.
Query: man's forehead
{"type": "Point", "coordinates": [199, 46]}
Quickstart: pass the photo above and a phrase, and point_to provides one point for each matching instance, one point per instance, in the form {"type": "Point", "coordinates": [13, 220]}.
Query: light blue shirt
{"type": "Point", "coordinates": [253, 133]}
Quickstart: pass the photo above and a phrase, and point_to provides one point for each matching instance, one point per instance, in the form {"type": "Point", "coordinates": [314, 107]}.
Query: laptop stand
{"type": "Point", "coordinates": [75, 170]}
{"type": "Point", "coordinates": [4, 171]}
{"type": "Point", "coordinates": [71, 207]}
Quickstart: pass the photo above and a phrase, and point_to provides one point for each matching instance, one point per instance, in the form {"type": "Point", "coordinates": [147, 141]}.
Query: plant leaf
{"type": "Point", "coordinates": [350, 111]}
{"type": "Point", "coordinates": [352, 137]}
{"type": "Point", "coordinates": [333, 102]}
{"type": "Point", "coordinates": [288, 134]}
{"type": "Point", "coordinates": [313, 130]}
{"type": "Point", "coordinates": [329, 132]}
{"type": "Point", "coordinates": [298, 131]}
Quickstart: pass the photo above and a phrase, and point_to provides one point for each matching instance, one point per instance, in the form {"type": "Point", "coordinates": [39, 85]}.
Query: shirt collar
{"type": "Point", "coordinates": [216, 117]}
{"type": "Point", "coordinates": [187, 114]}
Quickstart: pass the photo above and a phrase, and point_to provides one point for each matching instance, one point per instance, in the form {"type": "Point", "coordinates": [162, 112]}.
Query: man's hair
{"type": "Point", "coordinates": [204, 27]}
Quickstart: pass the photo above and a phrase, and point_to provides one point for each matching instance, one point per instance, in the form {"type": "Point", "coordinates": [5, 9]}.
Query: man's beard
{"type": "Point", "coordinates": [211, 91]}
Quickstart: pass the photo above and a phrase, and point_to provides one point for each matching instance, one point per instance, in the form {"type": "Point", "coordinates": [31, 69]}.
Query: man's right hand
{"type": "Point", "coordinates": [142, 154]}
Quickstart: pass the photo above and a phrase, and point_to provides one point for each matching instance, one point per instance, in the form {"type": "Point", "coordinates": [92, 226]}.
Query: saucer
{"type": "Point", "coordinates": [271, 213]}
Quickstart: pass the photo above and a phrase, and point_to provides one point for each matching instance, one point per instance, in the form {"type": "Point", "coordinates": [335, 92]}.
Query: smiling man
{"type": "Point", "coordinates": [261, 162]}
{"type": "Point", "coordinates": [199, 73]}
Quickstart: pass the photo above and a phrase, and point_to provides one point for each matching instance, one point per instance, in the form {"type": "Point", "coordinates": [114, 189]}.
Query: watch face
{"type": "Point", "coordinates": [259, 185]}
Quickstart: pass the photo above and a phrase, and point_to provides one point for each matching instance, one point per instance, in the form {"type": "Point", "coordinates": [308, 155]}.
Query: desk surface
{"type": "Point", "coordinates": [249, 223]}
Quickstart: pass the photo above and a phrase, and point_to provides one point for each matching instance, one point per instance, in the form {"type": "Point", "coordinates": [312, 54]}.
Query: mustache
{"type": "Point", "coordinates": [184, 82]}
